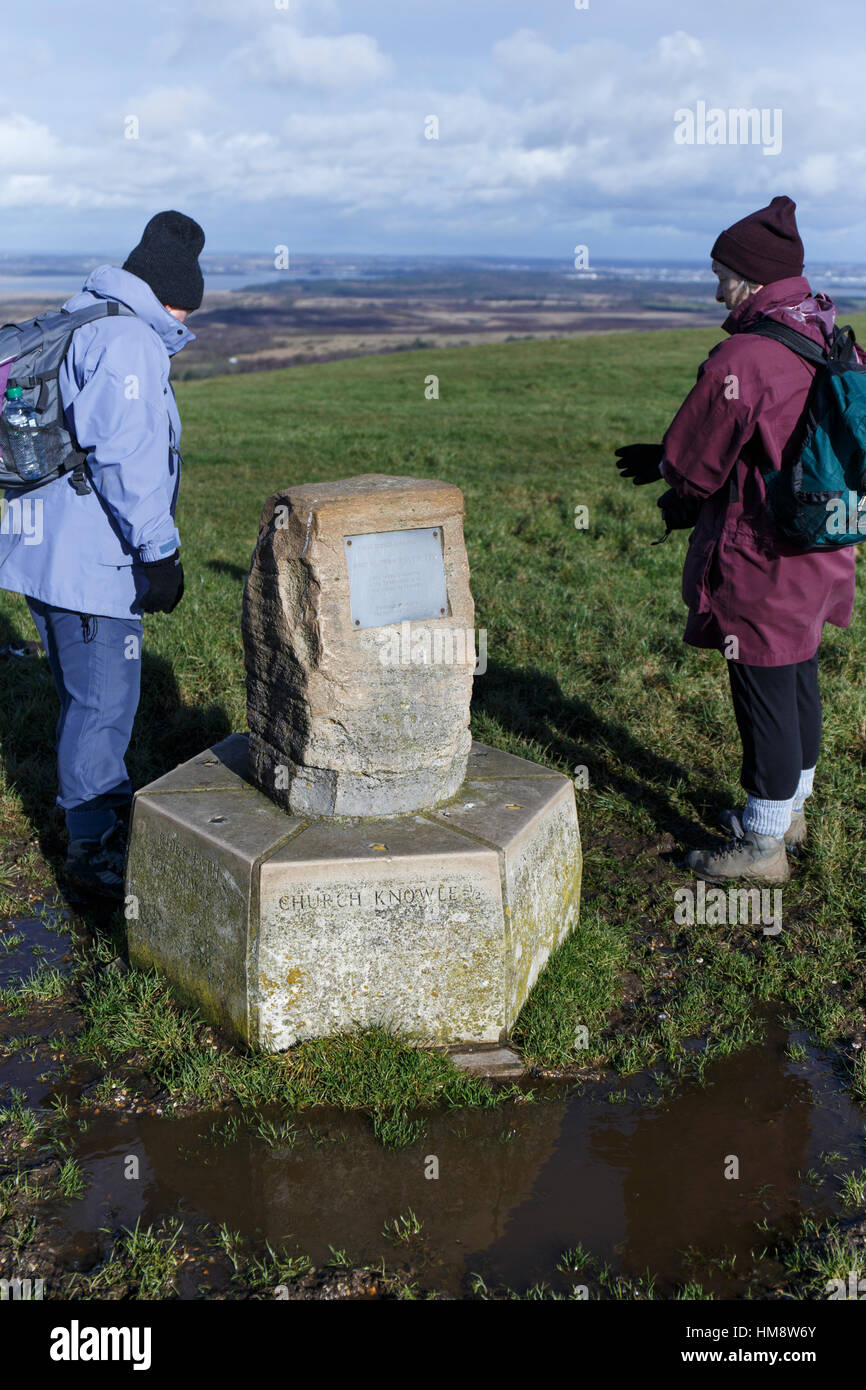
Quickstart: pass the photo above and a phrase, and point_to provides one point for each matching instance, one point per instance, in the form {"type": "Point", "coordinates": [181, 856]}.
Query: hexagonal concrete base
{"type": "Point", "coordinates": [278, 928]}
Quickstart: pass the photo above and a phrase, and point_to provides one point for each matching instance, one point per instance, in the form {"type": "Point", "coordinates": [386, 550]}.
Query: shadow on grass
{"type": "Point", "coordinates": [530, 705]}
{"type": "Point", "coordinates": [166, 732]}
{"type": "Point", "coordinates": [226, 567]}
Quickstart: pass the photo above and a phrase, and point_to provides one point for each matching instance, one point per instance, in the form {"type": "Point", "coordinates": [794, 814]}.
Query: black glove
{"type": "Point", "coordinates": [678, 513]}
{"type": "Point", "coordinates": [640, 462]}
{"type": "Point", "coordinates": [165, 578]}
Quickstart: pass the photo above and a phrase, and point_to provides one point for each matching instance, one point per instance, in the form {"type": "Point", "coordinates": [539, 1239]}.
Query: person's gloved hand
{"type": "Point", "coordinates": [678, 513]}
{"type": "Point", "coordinates": [640, 462]}
{"type": "Point", "coordinates": [165, 578]}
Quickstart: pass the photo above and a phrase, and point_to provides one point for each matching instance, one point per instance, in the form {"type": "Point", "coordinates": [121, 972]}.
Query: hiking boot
{"type": "Point", "coordinates": [96, 867]}
{"type": "Point", "coordinates": [748, 855]}
{"type": "Point", "coordinates": [795, 835]}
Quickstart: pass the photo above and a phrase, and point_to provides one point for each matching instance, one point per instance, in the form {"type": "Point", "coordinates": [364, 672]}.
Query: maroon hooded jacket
{"type": "Point", "coordinates": [740, 578]}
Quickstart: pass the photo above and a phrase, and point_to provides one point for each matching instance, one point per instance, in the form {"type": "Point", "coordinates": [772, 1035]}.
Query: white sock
{"type": "Point", "coordinates": [804, 788]}
{"type": "Point", "coordinates": [767, 817]}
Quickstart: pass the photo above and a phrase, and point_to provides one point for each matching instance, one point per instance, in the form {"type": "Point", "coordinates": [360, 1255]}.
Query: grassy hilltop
{"type": "Point", "coordinates": [586, 669]}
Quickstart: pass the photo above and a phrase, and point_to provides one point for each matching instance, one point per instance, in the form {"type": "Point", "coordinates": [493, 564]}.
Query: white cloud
{"type": "Point", "coordinates": [819, 175]}
{"type": "Point", "coordinates": [558, 142]}
{"type": "Point", "coordinates": [681, 52]}
{"type": "Point", "coordinates": [529, 64]}
{"type": "Point", "coordinates": [252, 12]}
{"type": "Point", "coordinates": [28, 145]}
{"type": "Point", "coordinates": [284, 55]}
{"type": "Point", "coordinates": [170, 111]}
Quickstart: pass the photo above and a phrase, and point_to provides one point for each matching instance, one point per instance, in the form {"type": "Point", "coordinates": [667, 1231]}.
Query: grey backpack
{"type": "Point", "coordinates": [31, 355]}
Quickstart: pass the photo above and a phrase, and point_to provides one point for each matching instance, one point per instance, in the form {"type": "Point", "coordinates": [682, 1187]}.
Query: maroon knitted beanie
{"type": "Point", "coordinates": [764, 246]}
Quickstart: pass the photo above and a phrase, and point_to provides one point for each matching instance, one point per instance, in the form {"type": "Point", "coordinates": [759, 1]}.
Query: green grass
{"type": "Point", "coordinates": [586, 670]}
{"type": "Point", "coordinates": [136, 1016]}
{"type": "Point", "coordinates": [144, 1258]}
{"type": "Point", "coordinates": [395, 1130]}
{"type": "Point", "coordinates": [278, 1135]}
{"type": "Point", "coordinates": [71, 1180]}
{"type": "Point", "coordinates": [403, 1228]}
{"type": "Point", "coordinates": [592, 1279]}
{"type": "Point", "coordinates": [821, 1252]}
{"type": "Point", "coordinates": [43, 983]}
{"type": "Point", "coordinates": [19, 1113]}
{"type": "Point", "coordinates": [852, 1189]}
{"type": "Point", "coordinates": [265, 1273]}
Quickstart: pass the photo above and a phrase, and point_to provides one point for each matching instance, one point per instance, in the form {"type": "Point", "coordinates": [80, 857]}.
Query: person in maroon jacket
{"type": "Point", "coordinates": [751, 595]}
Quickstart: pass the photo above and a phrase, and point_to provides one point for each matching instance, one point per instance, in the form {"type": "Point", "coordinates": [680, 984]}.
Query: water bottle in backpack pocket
{"type": "Point", "coordinates": [32, 451]}
{"type": "Point", "coordinates": [20, 439]}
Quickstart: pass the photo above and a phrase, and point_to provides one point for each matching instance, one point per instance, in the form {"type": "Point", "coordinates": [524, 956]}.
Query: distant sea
{"type": "Point", "coordinates": [62, 286]}
{"type": "Point", "coordinates": [22, 276]}
{"type": "Point", "coordinates": [822, 275]}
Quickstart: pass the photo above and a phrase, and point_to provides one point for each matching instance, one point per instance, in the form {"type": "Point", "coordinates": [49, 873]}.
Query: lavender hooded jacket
{"type": "Point", "coordinates": [117, 398]}
{"type": "Point", "coordinates": [741, 580]}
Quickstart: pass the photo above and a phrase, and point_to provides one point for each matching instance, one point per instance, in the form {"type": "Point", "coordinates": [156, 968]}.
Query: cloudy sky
{"type": "Point", "coordinates": [302, 123]}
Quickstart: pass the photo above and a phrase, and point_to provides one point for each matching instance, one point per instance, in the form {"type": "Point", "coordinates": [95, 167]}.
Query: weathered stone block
{"type": "Point", "coordinates": [283, 927]}
{"type": "Point", "coordinates": [337, 725]}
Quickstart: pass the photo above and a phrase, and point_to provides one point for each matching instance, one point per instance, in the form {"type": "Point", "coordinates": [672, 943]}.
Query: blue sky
{"type": "Point", "coordinates": [302, 123]}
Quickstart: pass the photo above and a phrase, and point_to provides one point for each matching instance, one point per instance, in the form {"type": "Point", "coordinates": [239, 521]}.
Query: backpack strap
{"type": "Point", "coordinates": [809, 351]}
{"type": "Point", "coordinates": [76, 461]}
{"type": "Point", "coordinates": [79, 472]}
{"type": "Point", "coordinates": [106, 308]}
{"type": "Point", "coordinates": [804, 347]}
{"type": "Point", "coordinates": [845, 345]}
{"type": "Point", "coordinates": [840, 353]}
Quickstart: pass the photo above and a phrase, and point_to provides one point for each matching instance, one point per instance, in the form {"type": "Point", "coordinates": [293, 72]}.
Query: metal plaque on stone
{"type": "Point", "coordinates": [396, 576]}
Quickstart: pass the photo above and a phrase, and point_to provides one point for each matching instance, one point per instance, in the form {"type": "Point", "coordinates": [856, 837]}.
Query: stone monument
{"type": "Point", "coordinates": [356, 859]}
{"type": "Point", "coordinates": [334, 729]}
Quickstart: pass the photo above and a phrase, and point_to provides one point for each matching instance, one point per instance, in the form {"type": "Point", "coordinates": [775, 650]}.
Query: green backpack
{"type": "Point", "coordinates": [819, 501]}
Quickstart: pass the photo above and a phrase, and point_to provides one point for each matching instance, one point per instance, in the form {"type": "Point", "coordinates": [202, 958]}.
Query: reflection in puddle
{"type": "Point", "coordinates": [641, 1187]}
{"type": "Point", "coordinates": [30, 944]}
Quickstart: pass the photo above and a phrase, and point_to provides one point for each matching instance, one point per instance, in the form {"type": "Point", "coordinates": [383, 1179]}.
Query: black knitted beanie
{"type": "Point", "coordinates": [166, 258]}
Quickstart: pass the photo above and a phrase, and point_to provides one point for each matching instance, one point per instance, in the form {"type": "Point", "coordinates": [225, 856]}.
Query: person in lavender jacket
{"type": "Point", "coordinates": [111, 553]}
{"type": "Point", "coordinates": [751, 595]}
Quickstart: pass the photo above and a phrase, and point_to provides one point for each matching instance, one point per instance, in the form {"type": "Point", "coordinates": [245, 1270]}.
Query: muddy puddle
{"type": "Point", "coordinates": [634, 1177]}
{"type": "Point", "coordinates": [639, 1185]}
{"type": "Point", "coordinates": [32, 948]}
{"type": "Point", "coordinates": [32, 944]}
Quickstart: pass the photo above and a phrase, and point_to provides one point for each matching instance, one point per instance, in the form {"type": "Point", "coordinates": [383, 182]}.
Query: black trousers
{"type": "Point", "coordinates": [778, 710]}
